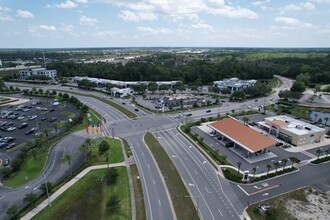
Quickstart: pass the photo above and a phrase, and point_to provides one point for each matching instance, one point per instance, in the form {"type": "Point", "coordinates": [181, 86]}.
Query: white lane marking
{"type": "Point", "coordinates": [154, 181]}
{"type": "Point", "coordinates": [159, 202]}
{"type": "Point", "coordinates": [27, 187]}
{"type": "Point", "coordinates": [256, 187]}
{"type": "Point", "coordinates": [207, 190]}
{"type": "Point", "coordinates": [220, 212]}
{"type": "Point", "coordinates": [148, 166]}
{"type": "Point", "coordinates": [35, 188]}
{"type": "Point", "coordinates": [265, 194]}
{"type": "Point", "coordinates": [195, 172]}
{"type": "Point", "coordinates": [190, 184]}
{"type": "Point", "coordinates": [242, 190]}
{"type": "Point", "coordinates": [190, 146]}
{"type": "Point", "coordinates": [173, 156]}
{"type": "Point", "coordinates": [2, 197]}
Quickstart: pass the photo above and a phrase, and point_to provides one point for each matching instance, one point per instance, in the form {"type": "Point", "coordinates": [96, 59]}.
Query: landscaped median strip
{"type": "Point", "coordinates": [181, 200]}
{"type": "Point", "coordinates": [123, 110]}
{"type": "Point", "coordinates": [42, 205]}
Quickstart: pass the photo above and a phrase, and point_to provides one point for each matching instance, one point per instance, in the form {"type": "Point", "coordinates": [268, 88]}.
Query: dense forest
{"type": "Point", "coordinates": [189, 67]}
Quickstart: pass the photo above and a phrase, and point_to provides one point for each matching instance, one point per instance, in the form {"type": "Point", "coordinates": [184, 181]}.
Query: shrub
{"type": "Point", "coordinates": [203, 120]}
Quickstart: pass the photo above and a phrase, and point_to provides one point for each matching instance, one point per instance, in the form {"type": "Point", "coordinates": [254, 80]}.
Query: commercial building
{"type": "Point", "coordinates": [293, 131]}
{"type": "Point", "coordinates": [242, 136]}
{"type": "Point", "coordinates": [234, 84]}
{"type": "Point", "coordinates": [122, 84]}
{"type": "Point", "coordinates": [25, 74]}
{"type": "Point", "coordinates": [121, 92]}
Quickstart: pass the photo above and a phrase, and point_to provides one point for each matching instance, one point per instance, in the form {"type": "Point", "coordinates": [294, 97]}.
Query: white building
{"type": "Point", "coordinates": [122, 84]}
{"type": "Point", "coordinates": [292, 130]}
{"type": "Point", "coordinates": [25, 74]}
{"type": "Point", "coordinates": [121, 92]}
{"type": "Point", "coordinates": [234, 84]}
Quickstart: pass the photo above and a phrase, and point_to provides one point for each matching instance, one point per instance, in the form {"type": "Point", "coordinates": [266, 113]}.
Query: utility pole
{"type": "Point", "coordinates": [49, 203]}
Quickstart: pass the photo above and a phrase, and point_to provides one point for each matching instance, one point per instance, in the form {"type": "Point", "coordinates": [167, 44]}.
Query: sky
{"type": "Point", "coordinates": [164, 23]}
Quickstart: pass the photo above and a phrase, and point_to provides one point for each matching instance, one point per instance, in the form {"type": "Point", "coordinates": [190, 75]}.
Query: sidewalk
{"type": "Point", "coordinates": [66, 186]}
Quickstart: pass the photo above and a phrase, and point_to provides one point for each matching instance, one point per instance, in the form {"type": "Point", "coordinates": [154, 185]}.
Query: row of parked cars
{"type": "Point", "coordinates": [7, 142]}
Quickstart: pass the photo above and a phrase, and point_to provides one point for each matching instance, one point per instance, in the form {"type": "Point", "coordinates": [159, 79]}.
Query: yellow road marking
{"type": "Point", "coordinates": [263, 190]}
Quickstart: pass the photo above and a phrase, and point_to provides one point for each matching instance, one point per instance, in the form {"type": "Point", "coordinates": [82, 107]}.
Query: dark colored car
{"type": "Point", "coordinates": [44, 119]}
{"type": "Point", "coordinates": [23, 125]}
{"type": "Point", "coordinates": [136, 109]}
{"type": "Point", "coordinates": [9, 139]}
{"type": "Point", "coordinates": [230, 144]}
{"type": "Point", "coordinates": [208, 111]}
{"type": "Point", "coordinates": [10, 146]}
{"type": "Point", "coordinates": [52, 119]}
{"type": "Point", "coordinates": [123, 103]}
{"type": "Point", "coordinates": [30, 131]}
{"type": "Point", "coordinates": [278, 144]}
{"type": "Point", "coordinates": [52, 110]}
{"type": "Point", "coordinates": [6, 162]}
{"type": "Point", "coordinates": [188, 114]}
{"type": "Point", "coordinates": [3, 144]}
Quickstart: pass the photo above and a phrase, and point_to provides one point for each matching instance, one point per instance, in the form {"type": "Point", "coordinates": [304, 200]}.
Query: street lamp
{"type": "Point", "coordinates": [49, 203]}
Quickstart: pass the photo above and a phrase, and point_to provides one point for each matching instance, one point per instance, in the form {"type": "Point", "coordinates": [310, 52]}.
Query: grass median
{"type": "Point", "coordinates": [181, 200]}
{"type": "Point", "coordinates": [120, 108]}
{"type": "Point", "coordinates": [138, 194]}
{"type": "Point", "coordinates": [88, 198]}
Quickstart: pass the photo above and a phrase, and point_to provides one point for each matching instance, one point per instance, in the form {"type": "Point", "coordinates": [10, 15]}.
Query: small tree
{"type": "Point", "coordinates": [284, 162]}
{"type": "Point", "coordinates": [46, 133]}
{"type": "Point", "coordinates": [268, 168]}
{"type": "Point", "coordinates": [68, 158]}
{"type": "Point", "coordinates": [30, 198]}
{"type": "Point", "coordinates": [238, 166]}
{"type": "Point", "coordinates": [246, 120]}
{"type": "Point", "coordinates": [327, 151]}
{"type": "Point", "coordinates": [276, 165]}
{"type": "Point", "coordinates": [111, 175]}
{"type": "Point", "coordinates": [43, 187]}
{"type": "Point", "coordinates": [12, 212]}
{"type": "Point", "coordinates": [254, 172]}
{"type": "Point", "coordinates": [56, 126]}
{"type": "Point", "coordinates": [104, 148]}
{"type": "Point", "coordinates": [319, 151]}
{"type": "Point", "coordinates": [113, 203]}
{"type": "Point", "coordinates": [326, 119]}
{"type": "Point", "coordinates": [293, 160]}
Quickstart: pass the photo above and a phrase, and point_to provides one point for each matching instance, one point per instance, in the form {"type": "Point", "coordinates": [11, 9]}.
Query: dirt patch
{"type": "Point", "coordinates": [317, 205]}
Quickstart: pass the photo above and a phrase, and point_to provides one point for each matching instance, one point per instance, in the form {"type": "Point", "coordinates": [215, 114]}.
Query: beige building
{"type": "Point", "coordinates": [293, 131]}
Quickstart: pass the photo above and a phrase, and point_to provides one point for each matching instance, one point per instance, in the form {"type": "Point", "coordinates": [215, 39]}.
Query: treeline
{"type": "Point", "coordinates": [196, 71]}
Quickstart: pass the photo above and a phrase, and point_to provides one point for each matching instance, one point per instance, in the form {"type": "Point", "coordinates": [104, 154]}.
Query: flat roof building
{"type": "Point", "coordinates": [25, 74]}
{"type": "Point", "coordinates": [242, 135]}
{"type": "Point", "coordinates": [293, 131]}
{"type": "Point", "coordinates": [234, 84]}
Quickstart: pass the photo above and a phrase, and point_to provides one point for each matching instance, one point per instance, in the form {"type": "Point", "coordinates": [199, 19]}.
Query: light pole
{"type": "Point", "coordinates": [49, 203]}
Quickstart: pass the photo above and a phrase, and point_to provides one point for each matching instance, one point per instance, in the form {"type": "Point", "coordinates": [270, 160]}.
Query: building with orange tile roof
{"type": "Point", "coordinates": [242, 135]}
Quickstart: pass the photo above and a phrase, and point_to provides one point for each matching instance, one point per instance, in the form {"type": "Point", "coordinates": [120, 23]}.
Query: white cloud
{"type": "Point", "coordinates": [150, 30]}
{"type": "Point", "coordinates": [297, 7]}
{"type": "Point", "coordinates": [87, 21]}
{"type": "Point", "coordinates": [24, 14]}
{"type": "Point", "coordinates": [5, 9]}
{"type": "Point", "coordinates": [232, 12]}
{"type": "Point", "coordinates": [6, 18]}
{"type": "Point", "coordinates": [82, 1]}
{"type": "Point", "coordinates": [127, 15]}
{"type": "Point", "coordinates": [47, 27]}
{"type": "Point", "coordinates": [202, 26]}
{"type": "Point", "coordinates": [292, 22]}
{"type": "Point", "coordinates": [260, 3]}
{"type": "Point", "coordinates": [104, 33]}
{"type": "Point", "coordinates": [67, 4]}
{"type": "Point", "coordinates": [66, 27]}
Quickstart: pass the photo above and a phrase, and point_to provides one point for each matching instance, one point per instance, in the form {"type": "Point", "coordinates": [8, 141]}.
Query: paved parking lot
{"type": "Point", "coordinates": [38, 114]}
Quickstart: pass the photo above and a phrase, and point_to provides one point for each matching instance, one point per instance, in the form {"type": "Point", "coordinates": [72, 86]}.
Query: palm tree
{"type": "Point", "coordinates": [34, 153]}
{"type": "Point", "coordinates": [268, 168]}
{"type": "Point", "coordinates": [238, 166]}
{"type": "Point", "coordinates": [68, 158]}
{"type": "Point", "coordinates": [326, 119]}
{"type": "Point", "coordinates": [293, 160]}
{"type": "Point", "coordinates": [327, 150]}
{"type": "Point", "coordinates": [318, 151]}
{"type": "Point", "coordinates": [46, 133]}
{"type": "Point", "coordinates": [245, 120]}
{"type": "Point", "coordinates": [55, 126]}
{"type": "Point", "coordinates": [284, 162]}
{"type": "Point", "coordinates": [276, 164]}
{"type": "Point", "coordinates": [84, 148]}
{"type": "Point", "coordinates": [254, 172]}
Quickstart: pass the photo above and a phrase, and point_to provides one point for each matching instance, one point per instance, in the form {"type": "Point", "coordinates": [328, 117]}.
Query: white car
{"type": "Point", "coordinates": [33, 117]}
{"type": "Point", "coordinates": [177, 116]}
{"type": "Point", "coordinates": [11, 128]}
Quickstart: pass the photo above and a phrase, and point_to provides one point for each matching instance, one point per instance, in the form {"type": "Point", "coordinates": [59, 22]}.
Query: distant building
{"type": "Point", "coordinates": [0, 63]}
{"type": "Point", "coordinates": [25, 74]}
{"type": "Point", "coordinates": [121, 92]}
{"type": "Point", "coordinates": [122, 84]}
{"type": "Point", "coordinates": [234, 84]}
{"type": "Point", "coordinates": [292, 130]}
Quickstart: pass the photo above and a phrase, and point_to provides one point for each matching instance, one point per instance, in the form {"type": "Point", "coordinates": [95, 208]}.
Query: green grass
{"type": "Point", "coordinates": [88, 197]}
{"type": "Point", "coordinates": [30, 169]}
{"type": "Point", "coordinates": [85, 121]}
{"type": "Point", "coordinates": [115, 153]}
{"type": "Point", "coordinates": [183, 205]}
{"type": "Point", "coordinates": [138, 194]}
{"type": "Point", "coordinates": [278, 205]}
{"type": "Point", "coordinates": [61, 123]}
{"type": "Point", "coordinates": [127, 148]}
{"type": "Point", "coordinates": [68, 114]}
{"type": "Point", "coordinates": [120, 108]}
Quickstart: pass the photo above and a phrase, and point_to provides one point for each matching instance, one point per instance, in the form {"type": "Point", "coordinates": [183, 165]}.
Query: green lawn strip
{"type": "Point", "coordinates": [30, 169]}
{"type": "Point", "coordinates": [61, 123]}
{"type": "Point", "coordinates": [115, 152]}
{"type": "Point", "coordinates": [68, 114]}
{"type": "Point", "coordinates": [85, 121]}
{"type": "Point", "coordinates": [88, 197]}
{"type": "Point", "coordinates": [120, 108]}
{"type": "Point", "coordinates": [127, 148]}
{"type": "Point", "coordinates": [278, 208]}
{"type": "Point", "coordinates": [138, 194]}
{"type": "Point", "coordinates": [182, 202]}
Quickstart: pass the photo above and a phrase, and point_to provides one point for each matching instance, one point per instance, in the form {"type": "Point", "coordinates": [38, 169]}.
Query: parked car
{"type": "Point", "coordinates": [177, 116]}
{"type": "Point", "coordinates": [136, 109]}
{"type": "Point", "coordinates": [44, 119]}
{"type": "Point", "coordinates": [208, 111]}
{"type": "Point", "coordinates": [230, 144]}
{"type": "Point", "coordinates": [6, 162]}
{"type": "Point", "coordinates": [30, 131]}
{"type": "Point", "coordinates": [9, 139]}
{"type": "Point", "coordinates": [51, 110]}
{"type": "Point", "coordinates": [11, 129]}
{"type": "Point", "coordinates": [33, 117]}
{"type": "Point", "coordinates": [188, 114]}
{"type": "Point", "coordinates": [23, 125]}
{"type": "Point", "coordinates": [52, 119]}
{"type": "Point", "coordinates": [278, 144]}
{"type": "Point", "coordinates": [11, 146]}
{"type": "Point", "coordinates": [123, 103]}
{"type": "Point", "coordinates": [3, 144]}
{"type": "Point", "coordinates": [9, 123]}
